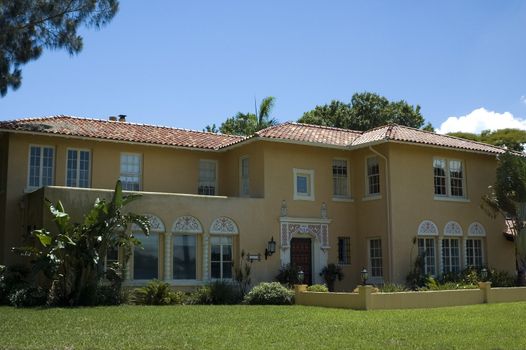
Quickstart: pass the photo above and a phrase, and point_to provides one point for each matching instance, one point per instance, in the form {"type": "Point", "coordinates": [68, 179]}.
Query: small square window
{"type": "Point", "coordinates": [303, 184]}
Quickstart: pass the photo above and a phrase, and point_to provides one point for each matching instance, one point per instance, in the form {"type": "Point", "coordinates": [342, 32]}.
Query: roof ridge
{"type": "Point", "coordinates": [59, 116]}
{"type": "Point", "coordinates": [270, 128]}
{"type": "Point", "coordinates": [325, 127]}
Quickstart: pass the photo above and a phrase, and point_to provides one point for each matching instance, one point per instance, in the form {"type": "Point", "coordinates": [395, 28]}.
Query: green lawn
{"type": "Point", "coordinates": [493, 326]}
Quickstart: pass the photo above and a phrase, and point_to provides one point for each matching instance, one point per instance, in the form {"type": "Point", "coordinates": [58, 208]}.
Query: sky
{"type": "Point", "coordinates": [188, 64]}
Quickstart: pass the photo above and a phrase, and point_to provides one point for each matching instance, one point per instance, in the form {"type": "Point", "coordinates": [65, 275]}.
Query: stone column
{"type": "Point", "coordinates": [485, 288]}
{"type": "Point", "coordinates": [365, 293]}
{"type": "Point", "coordinates": [167, 256]}
{"type": "Point", "coordinates": [206, 275]}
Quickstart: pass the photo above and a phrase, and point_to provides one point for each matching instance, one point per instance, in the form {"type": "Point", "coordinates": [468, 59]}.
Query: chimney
{"type": "Point", "coordinates": [122, 118]}
{"type": "Point", "coordinates": [112, 118]}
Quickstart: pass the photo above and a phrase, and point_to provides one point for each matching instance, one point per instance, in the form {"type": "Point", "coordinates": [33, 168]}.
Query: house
{"type": "Point", "coordinates": [370, 199]}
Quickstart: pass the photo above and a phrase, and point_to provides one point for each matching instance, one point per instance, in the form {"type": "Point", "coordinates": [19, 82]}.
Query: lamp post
{"type": "Point", "coordinates": [364, 275]}
{"type": "Point", "coordinates": [484, 274]}
{"type": "Point", "coordinates": [301, 276]}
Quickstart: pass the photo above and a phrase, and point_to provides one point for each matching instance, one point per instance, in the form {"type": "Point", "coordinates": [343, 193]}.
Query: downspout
{"type": "Point", "coordinates": [388, 210]}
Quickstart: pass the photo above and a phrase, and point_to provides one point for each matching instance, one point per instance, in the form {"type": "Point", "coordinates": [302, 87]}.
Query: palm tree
{"type": "Point", "coordinates": [263, 114]}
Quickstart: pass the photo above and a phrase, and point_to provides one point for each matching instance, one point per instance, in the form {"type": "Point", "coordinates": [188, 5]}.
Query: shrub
{"type": "Point", "coordinates": [317, 288]}
{"type": "Point", "coordinates": [393, 288]}
{"type": "Point", "coordinates": [157, 293]}
{"type": "Point", "coordinates": [288, 275]}
{"type": "Point", "coordinates": [330, 273]}
{"type": "Point", "coordinates": [216, 293]}
{"type": "Point", "coordinates": [28, 297]}
{"type": "Point", "coordinates": [12, 278]}
{"type": "Point", "coordinates": [269, 294]}
{"type": "Point", "coordinates": [501, 279]}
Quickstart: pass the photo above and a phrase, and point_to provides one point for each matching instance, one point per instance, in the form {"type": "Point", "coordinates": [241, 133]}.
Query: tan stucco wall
{"type": "Point", "coordinates": [408, 191]}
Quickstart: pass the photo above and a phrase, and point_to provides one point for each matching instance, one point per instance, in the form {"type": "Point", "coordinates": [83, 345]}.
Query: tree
{"type": "Point", "coordinates": [365, 111]}
{"type": "Point", "coordinates": [72, 256]}
{"type": "Point", "coordinates": [245, 124]}
{"type": "Point", "coordinates": [29, 26]}
{"type": "Point", "coordinates": [513, 139]}
{"type": "Point", "coordinates": [508, 198]}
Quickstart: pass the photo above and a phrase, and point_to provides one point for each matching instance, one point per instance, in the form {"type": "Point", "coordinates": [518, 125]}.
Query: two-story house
{"type": "Point", "coordinates": [370, 199]}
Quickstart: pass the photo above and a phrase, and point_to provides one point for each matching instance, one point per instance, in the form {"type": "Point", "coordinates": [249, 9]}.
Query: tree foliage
{"type": "Point", "coordinates": [508, 198]}
{"type": "Point", "coordinates": [72, 256]}
{"type": "Point", "coordinates": [29, 26]}
{"type": "Point", "coordinates": [365, 111]}
{"type": "Point", "coordinates": [513, 139]}
{"type": "Point", "coordinates": [247, 123]}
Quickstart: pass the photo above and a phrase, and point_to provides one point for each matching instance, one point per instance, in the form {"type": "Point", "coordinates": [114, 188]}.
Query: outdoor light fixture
{"type": "Point", "coordinates": [301, 276]}
{"type": "Point", "coordinates": [271, 248]}
{"type": "Point", "coordinates": [484, 274]}
{"type": "Point", "coordinates": [364, 276]}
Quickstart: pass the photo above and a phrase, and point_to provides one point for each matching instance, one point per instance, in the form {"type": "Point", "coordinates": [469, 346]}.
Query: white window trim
{"type": "Point", "coordinates": [32, 188]}
{"type": "Point", "coordinates": [437, 254]}
{"type": "Point", "coordinates": [78, 166]}
{"type": "Point", "coordinates": [310, 173]}
{"type": "Point", "coordinates": [448, 197]}
{"type": "Point", "coordinates": [339, 262]}
{"type": "Point", "coordinates": [221, 261]}
{"type": "Point", "coordinates": [482, 249]}
{"type": "Point", "coordinates": [139, 155]}
{"type": "Point", "coordinates": [241, 159]}
{"type": "Point", "coordinates": [368, 195]}
{"type": "Point", "coordinates": [348, 196]}
{"type": "Point", "coordinates": [216, 173]}
{"type": "Point", "coordinates": [375, 279]}
{"type": "Point", "coordinates": [441, 252]}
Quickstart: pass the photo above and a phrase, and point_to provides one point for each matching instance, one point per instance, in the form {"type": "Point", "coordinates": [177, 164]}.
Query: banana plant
{"type": "Point", "coordinates": [72, 256]}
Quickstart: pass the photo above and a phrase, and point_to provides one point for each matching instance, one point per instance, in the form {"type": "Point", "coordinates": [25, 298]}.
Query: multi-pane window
{"type": "Point", "coordinates": [41, 161]}
{"type": "Point", "coordinates": [439, 170]}
{"type": "Point", "coordinates": [207, 177]}
{"type": "Point", "coordinates": [373, 176]}
{"type": "Point", "coordinates": [474, 254]}
{"type": "Point", "coordinates": [426, 249]}
{"type": "Point", "coordinates": [131, 171]}
{"type": "Point", "coordinates": [375, 258]}
{"type": "Point", "coordinates": [451, 255]}
{"type": "Point", "coordinates": [245, 182]}
{"type": "Point", "coordinates": [184, 257]}
{"type": "Point", "coordinates": [112, 257]}
{"type": "Point", "coordinates": [340, 178]}
{"type": "Point", "coordinates": [344, 250]}
{"type": "Point", "coordinates": [303, 184]}
{"type": "Point", "coordinates": [221, 257]}
{"type": "Point", "coordinates": [146, 257]}
{"type": "Point", "coordinates": [78, 168]}
{"type": "Point", "coordinates": [448, 178]}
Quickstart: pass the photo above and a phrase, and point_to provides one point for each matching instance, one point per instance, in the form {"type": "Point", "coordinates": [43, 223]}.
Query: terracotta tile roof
{"type": "Point", "coordinates": [401, 133]}
{"type": "Point", "coordinates": [310, 134]}
{"type": "Point", "coordinates": [290, 131]}
{"type": "Point", "coordinates": [121, 131]}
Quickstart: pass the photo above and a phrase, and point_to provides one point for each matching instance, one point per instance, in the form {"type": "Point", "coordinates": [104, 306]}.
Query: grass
{"type": "Point", "coordinates": [490, 326]}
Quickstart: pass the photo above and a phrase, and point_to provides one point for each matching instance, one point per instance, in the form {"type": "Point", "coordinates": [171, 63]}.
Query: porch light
{"type": "Point", "coordinates": [301, 276]}
{"type": "Point", "coordinates": [484, 274]}
{"type": "Point", "coordinates": [271, 248]}
{"type": "Point", "coordinates": [364, 276]}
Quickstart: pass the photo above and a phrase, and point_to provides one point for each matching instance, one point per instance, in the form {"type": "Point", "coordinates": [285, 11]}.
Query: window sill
{"type": "Point", "coordinates": [303, 198]}
{"type": "Point", "coordinates": [343, 199]}
{"type": "Point", "coordinates": [372, 197]}
{"type": "Point", "coordinates": [452, 199]}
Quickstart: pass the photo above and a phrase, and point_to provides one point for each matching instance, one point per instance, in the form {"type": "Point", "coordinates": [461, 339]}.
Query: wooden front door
{"type": "Point", "coordinates": [301, 256]}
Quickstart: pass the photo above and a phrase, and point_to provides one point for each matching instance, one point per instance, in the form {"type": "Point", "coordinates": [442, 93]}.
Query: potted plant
{"type": "Point", "coordinates": [330, 273]}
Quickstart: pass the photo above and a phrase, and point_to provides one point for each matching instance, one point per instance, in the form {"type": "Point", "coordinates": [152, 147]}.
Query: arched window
{"type": "Point", "coordinates": [450, 247]}
{"type": "Point", "coordinates": [427, 230]}
{"type": "Point", "coordinates": [184, 247]}
{"type": "Point", "coordinates": [475, 245]}
{"type": "Point", "coordinates": [222, 247]}
{"type": "Point", "coordinates": [146, 257]}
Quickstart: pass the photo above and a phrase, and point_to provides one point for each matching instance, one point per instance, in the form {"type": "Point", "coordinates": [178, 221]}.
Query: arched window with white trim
{"type": "Point", "coordinates": [474, 245]}
{"type": "Point", "coordinates": [146, 257]}
{"type": "Point", "coordinates": [185, 232]}
{"type": "Point", "coordinates": [450, 247]}
{"type": "Point", "coordinates": [427, 231]}
{"type": "Point", "coordinates": [222, 231]}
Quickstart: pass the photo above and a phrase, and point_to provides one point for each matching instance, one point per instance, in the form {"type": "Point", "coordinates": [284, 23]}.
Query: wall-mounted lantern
{"type": "Point", "coordinates": [271, 248]}
{"type": "Point", "coordinates": [364, 275]}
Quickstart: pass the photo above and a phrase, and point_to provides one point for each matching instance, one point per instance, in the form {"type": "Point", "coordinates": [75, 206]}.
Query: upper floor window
{"type": "Point", "coordinates": [78, 168]}
{"type": "Point", "coordinates": [41, 164]}
{"type": "Point", "coordinates": [131, 171]}
{"type": "Point", "coordinates": [373, 176]}
{"type": "Point", "coordinates": [303, 184]}
{"type": "Point", "coordinates": [340, 178]}
{"type": "Point", "coordinates": [207, 177]}
{"type": "Point", "coordinates": [448, 178]}
{"type": "Point", "coordinates": [243, 170]}
{"type": "Point", "coordinates": [344, 250]}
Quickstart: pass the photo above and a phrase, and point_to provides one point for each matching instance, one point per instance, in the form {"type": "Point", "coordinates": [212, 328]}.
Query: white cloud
{"type": "Point", "coordinates": [481, 119]}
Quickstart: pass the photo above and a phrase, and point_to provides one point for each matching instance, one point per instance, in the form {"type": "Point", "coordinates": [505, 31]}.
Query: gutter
{"type": "Point", "coordinates": [388, 211]}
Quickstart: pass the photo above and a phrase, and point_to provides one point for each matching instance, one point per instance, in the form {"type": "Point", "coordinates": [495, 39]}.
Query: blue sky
{"type": "Point", "coordinates": [191, 63]}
